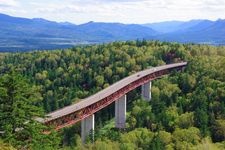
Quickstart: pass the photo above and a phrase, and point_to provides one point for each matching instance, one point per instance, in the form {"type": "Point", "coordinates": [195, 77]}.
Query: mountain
{"type": "Point", "coordinates": [195, 26]}
{"type": "Point", "coordinates": [172, 26]}
{"type": "Point", "coordinates": [205, 31]}
{"type": "Point", "coordinates": [21, 34]}
{"type": "Point", "coordinates": [29, 34]}
{"type": "Point", "coordinates": [116, 31]}
{"type": "Point", "coordinates": [164, 27]}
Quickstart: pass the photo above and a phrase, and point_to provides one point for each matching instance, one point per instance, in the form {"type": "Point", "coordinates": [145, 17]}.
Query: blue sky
{"type": "Point", "coordinates": [125, 11]}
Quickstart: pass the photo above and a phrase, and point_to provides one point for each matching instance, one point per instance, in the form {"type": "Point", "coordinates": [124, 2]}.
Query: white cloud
{"type": "Point", "coordinates": [8, 3]}
{"type": "Point", "coordinates": [127, 11]}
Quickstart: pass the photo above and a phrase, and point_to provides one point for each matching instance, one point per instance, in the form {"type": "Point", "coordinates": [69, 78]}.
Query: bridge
{"type": "Point", "coordinates": [84, 110]}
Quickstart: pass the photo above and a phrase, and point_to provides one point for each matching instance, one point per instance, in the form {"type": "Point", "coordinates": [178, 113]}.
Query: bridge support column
{"type": "Point", "coordinates": [120, 112]}
{"type": "Point", "coordinates": [146, 91]}
{"type": "Point", "coordinates": [87, 126]}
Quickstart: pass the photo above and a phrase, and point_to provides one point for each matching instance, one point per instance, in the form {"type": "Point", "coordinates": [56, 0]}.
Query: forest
{"type": "Point", "coordinates": [186, 112]}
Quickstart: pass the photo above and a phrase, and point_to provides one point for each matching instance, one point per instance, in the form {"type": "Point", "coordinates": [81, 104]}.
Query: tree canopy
{"type": "Point", "coordinates": [187, 110]}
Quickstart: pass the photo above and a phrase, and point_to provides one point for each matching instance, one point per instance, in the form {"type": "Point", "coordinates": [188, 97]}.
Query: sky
{"type": "Point", "coordinates": [123, 11]}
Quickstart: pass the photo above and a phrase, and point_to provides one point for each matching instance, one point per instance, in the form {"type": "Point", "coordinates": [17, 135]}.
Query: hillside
{"type": "Point", "coordinates": [30, 34]}
{"type": "Point", "coordinates": [172, 26]}
{"type": "Point", "coordinates": [208, 32]}
{"type": "Point", "coordinates": [187, 109]}
{"type": "Point", "coordinates": [22, 34]}
{"type": "Point", "coordinates": [115, 31]}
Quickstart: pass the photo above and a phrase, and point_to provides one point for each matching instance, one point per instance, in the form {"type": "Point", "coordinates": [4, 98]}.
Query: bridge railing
{"type": "Point", "coordinates": [76, 116]}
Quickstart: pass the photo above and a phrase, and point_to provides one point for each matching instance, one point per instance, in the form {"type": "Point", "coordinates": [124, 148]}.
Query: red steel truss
{"type": "Point", "coordinates": [77, 116]}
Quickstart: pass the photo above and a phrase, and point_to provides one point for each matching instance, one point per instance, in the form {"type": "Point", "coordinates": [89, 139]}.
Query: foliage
{"type": "Point", "coordinates": [18, 112]}
{"type": "Point", "coordinates": [4, 146]}
{"type": "Point", "coordinates": [186, 138]}
{"type": "Point", "coordinates": [187, 110]}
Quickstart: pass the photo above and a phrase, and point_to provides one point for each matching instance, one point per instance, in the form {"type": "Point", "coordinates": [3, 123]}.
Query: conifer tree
{"type": "Point", "coordinates": [18, 110]}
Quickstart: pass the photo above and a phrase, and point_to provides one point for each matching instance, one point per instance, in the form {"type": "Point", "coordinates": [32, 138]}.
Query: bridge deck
{"type": "Point", "coordinates": [107, 91]}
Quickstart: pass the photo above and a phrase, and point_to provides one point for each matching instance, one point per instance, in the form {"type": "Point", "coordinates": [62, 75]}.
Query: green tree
{"type": "Point", "coordinates": [169, 118]}
{"type": "Point", "coordinates": [104, 145]}
{"type": "Point", "coordinates": [99, 81]}
{"type": "Point", "coordinates": [201, 121]}
{"type": "Point", "coordinates": [18, 110]}
{"type": "Point", "coordinates": [141, 137]}
{"type": "Point", "coordinates": [218, 130]}
{"type": "Point", "coordinates": [186, 138]}
{"type": "Point", "coordinates": [185, 120]}
{"type": "Point", "coordinates": [156, 143]}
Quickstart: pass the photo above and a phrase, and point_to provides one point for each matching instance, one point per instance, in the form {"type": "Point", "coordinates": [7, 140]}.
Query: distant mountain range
{"type": "Point", "coordinates": [172, 26]}
{"type": "Point", "coordinates": [196, 31]}
{"type": "Point", "coordinates": [21, 34]}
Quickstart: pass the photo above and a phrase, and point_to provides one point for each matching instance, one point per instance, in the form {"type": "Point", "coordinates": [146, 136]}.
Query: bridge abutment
{"type": "Point", "coordinates": [146, 91]}
{"type": "Point", "coordinates": [120, 112]}
{"type": "Point", "coordinates": [87, 126]}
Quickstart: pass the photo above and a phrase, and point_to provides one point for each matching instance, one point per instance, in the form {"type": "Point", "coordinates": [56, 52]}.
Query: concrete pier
{"type": "Point", "coordinates": [146, 91]}
{"type": "Point", "coordinates": [120, 112]}
{"type": "Point", "coordinates": [87, 126]}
